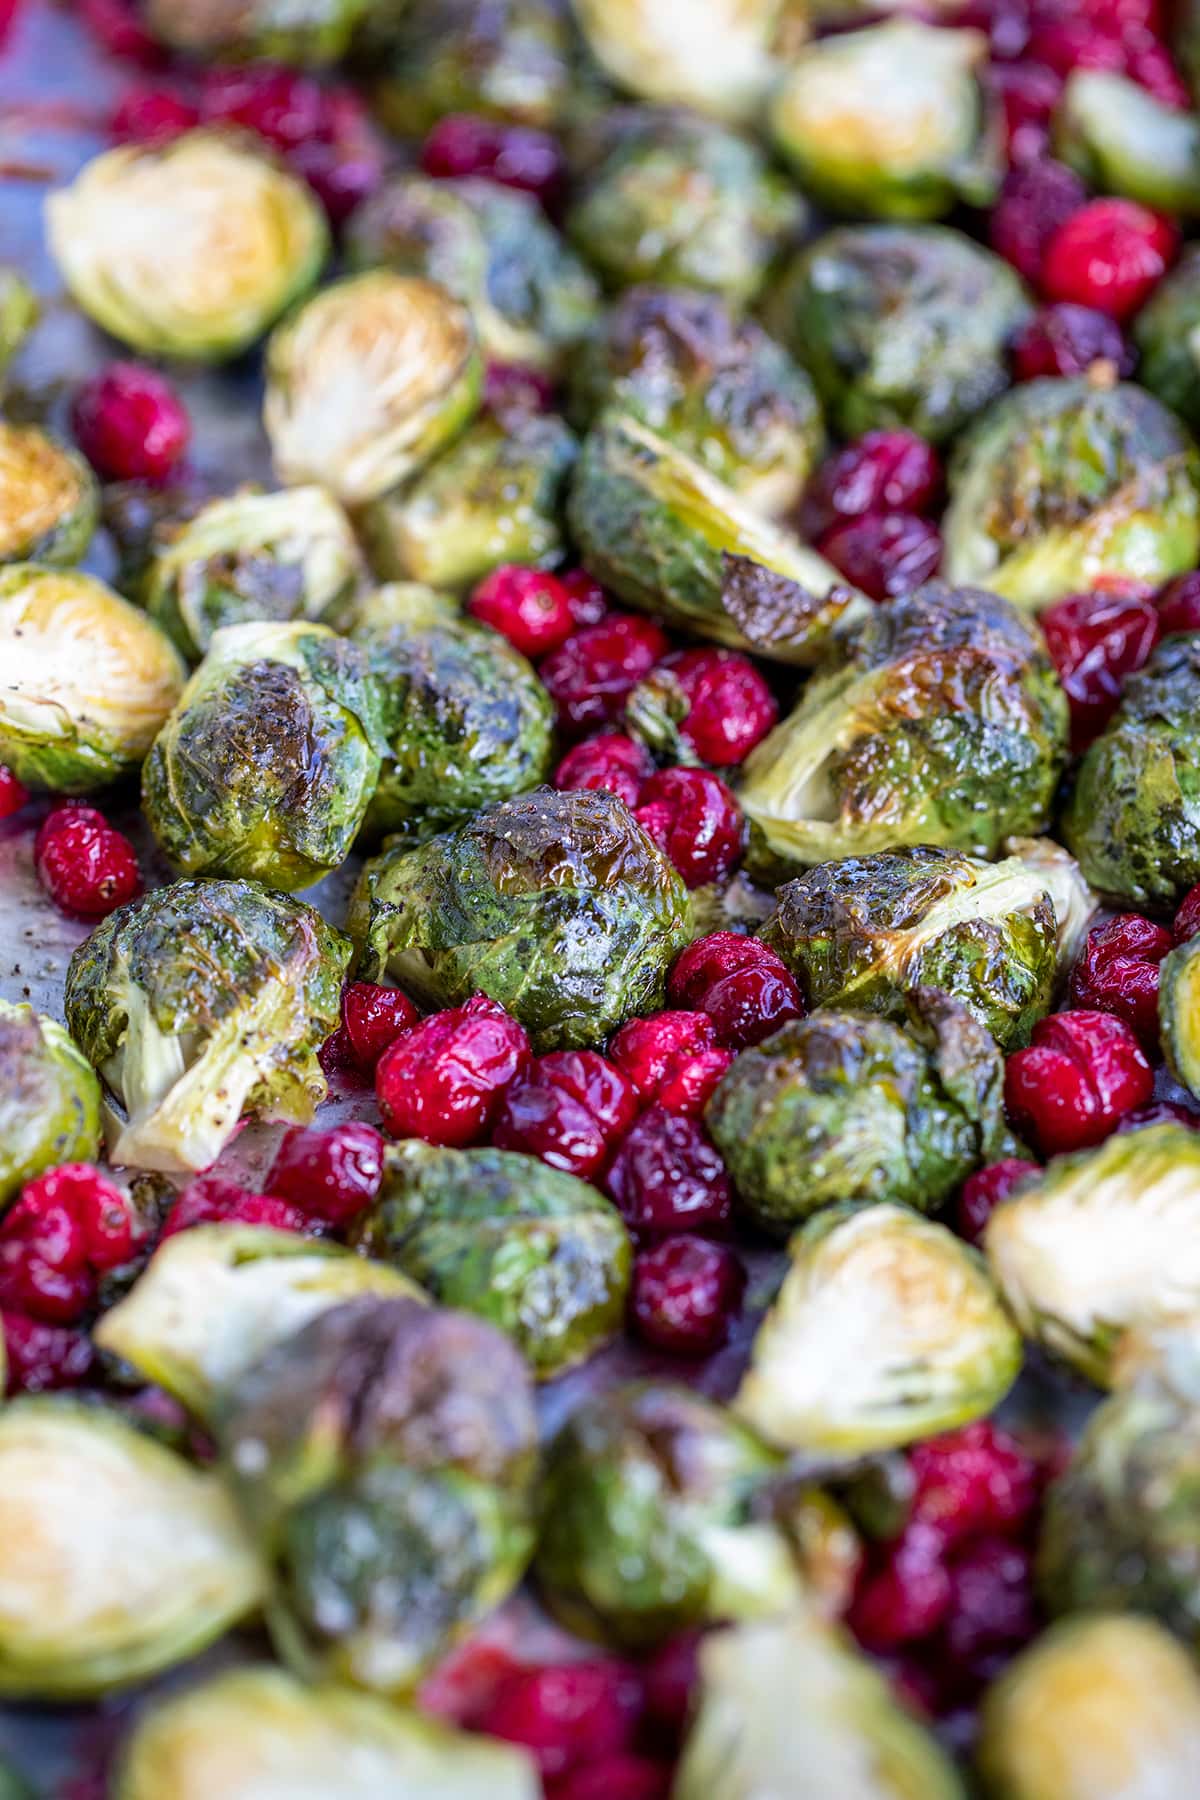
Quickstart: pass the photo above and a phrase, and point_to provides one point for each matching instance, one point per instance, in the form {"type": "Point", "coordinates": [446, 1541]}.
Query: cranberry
{"type": "Point", "coordinates": [329, 1175]}
{"type": "Point", "coordinates": [345, 163]}
{"type": "Point", "coordinates": [511, 391]}
{"type": "Point", "coordinates": [1094, 641]}
{"type": "Point", "coordinates": [983, 1191]}
{"type": "Point", "coordinates": [568, 1715]}
{"type": "Point", "coordinates": [589, 602]}
{"type": "Point", "coordinates": [528, 607]}
{"type": "Point", "coordinates": [905, 1595]}
{"type": "Point", "coordinates": [615, 1778]}
{"type": "Point", "coordinates": [673, 1059]}
{"type": "Point", "coordinates": [466, 1681]}
{"type": "Point", "coordinates": [373, 1017]}
{"type": "Point", "coordinates": [117, 27]}
{"type": "Point", "coordinates": [324, 133]}
{"type": "Point", "coordinates": [131, 424]}
{"type": "Point", "coordinates": [1082, 1071]}
{"type": "Point", "coordinates": [620, 764]}
{"type": "Point", "coordinates": [975, 1480]}
{"type": "Point", "coordinates": [514, 155]}
{"type": "Point", "coordinates": [992, 1610]}
{"type": "Point", "coordinates": [1034, 202]}
{"type": "Point", "coordinates": [13, 794]}
{"type": "Point", "coordinates": [152, 115]}
{"type": "Point", "coordinates": [85, 866]}
{"type": "Point", "coordinates": [591, 676]}
{"type": "Point", "coordinates": [884, 554]}
{"type": "Point", "coordinates": [695, 821]}
{"type": "Point", "coordinates": [337, 1052]}
{"type": "Point", "coordinates": [1067, 340]}
{"type": "Point", "coordinates": [1063, 44]}
{"type": "Point", "coordinates": [1179, 605]}
{"type": "Point", "coordinates": [43, 1357]}
{"type": "Point", "coordinates": [442, 1081]}
{"type": "Point", "coordinates": [1159, 1112]}
{"type": "Point", "coordinates": [685, 1292]}
{"type": "Point", "coordinates": [729, 705]}
{"type": "Point", "coordinates": [880, 472]}
{"type": "Point", "coordinates": [67, 1227]}
{"type": "Point", "coordinates": [1028, 93]}
{"type": "Point", "coordinates": [1187, 920]}
{"type": "Point", "coordinates": [568, 1108]}
{"type": "Point", "coordinates": [671, 1677]}
{"type": "Point", "coordinates": [1149, 63]}
{"type": "Point", "coordinates": [1117, 971]}
{"type": "Point", "coordinates": [668, 1176]}
{"type": "Point", "coordinates": [1109, 255]}
{"type": "Point", "coordinates": [214, 1200]}
{"type": "Point", "coordinates": [744, 987]}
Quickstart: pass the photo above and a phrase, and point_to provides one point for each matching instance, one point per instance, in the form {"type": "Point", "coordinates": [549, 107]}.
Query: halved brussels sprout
{"type": "Point", "coordinates": [943, 724]}
{"type": "Point", "coordinates": [557, 905]}
{"type": "Point", "coordinates": [669, 537]}
{"type": "Point", "coordinates": [266, 766]}
{"type": "Point", "coordinates": [199, 1002]}
{"type": "Point", "coordinates": [1103, 1240]}
{"type": "Point", "coordinates": [190, 248]}
{"type": "Point", "coordinates": [900, 325]}
{"type": "Point", "coordinates": [722, 64]}
{"type": "Point", "coordinates": [886, 1330]}
{"type": "Point", "coordinates": [212, 1299]}
{"type": "Point", "coordinates": [1063, 486]}
{"type": "Point", "coordinates": [1123, 140]}
{"type": "Point", "coordinates": [117, 1558]}
{"type": "Point", "coordinates": [367, 381]}
{"type": "Point", "coordinates": [87, 682]}
{"type": "Point", "coordinates": [890, 121]}
{"type": "Point", "coordinates": [18, 315]}
{"type": "Point", "coordinates": [292, 31]}
{"type": "Point", "coordinates": [49, 1099]}
{"type": "Point", "coordinates": [496, 496]}
{"type": "Point", "coordinates": [49, 500]}
{"type": "Point", "coordinates": [1097, 1709]}
{"type": "Point", "coordinates": [1167, 334]}
{"type": "Point", "coordinates": [1179, 1012]}
{"type": "Point", "coordinates": [505, 59]}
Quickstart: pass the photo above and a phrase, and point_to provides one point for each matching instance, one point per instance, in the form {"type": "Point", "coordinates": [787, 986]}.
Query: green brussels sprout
{"type": "Point", "coordinates": [49, 1099]}
{"type": "Point", "coordinates": [311, 32]}
{"type": "Point", "coordinates": [943, 724]}
{"type": "Point", "coordinates": [787, 1707]}
{"type": "Point", "coordinates": [713, 384]}
{"type": "Point", "coordinates": [1105, 1708]}
{"type": "Point", "coordinates": [1132, 819]}
{"type": "Point", "coordinates": [119, 1559]}
{"type": "Point", "coordinates": [496, 496]}
{"type": "Point", "coordinates": [1179, 1012]}
{"type": "Point", "coordinates": [722, 64]}
{"type": "Point", "coordinates": [1123, 140]}
{"type": "Point", "coordinates": [1167, 334]}
{"type": "Point", "coordinates": [890, 121]}
{"type": "Point", "coordinates": [667, 536]}
{"type": "Point", "coordinates": [267, 764]}
{"type": "Point", "coordinates": [680, 200]}
{"type": "Point", "coordinates": [212, 1299]}
{"type": "Point", "coordinates": [49, 500]}
{"type": "Point", "coordinates": [1101, 1241]}
{"type": "Point", "coordinates": [1068, 485]}
{"type": "Point", "coordinates": [256, 1734]}
{"type": "Point", "coordinates": [536, 1252]}
{"type": "Point", "coordinates": [492, 248]}
{"type": "Point", "coordinates": [88, 680]}
{"type": "Point", "coordinates": [245, 557]}
{"type": "Point", "coordinates": [383, 1457]}
{"type": "Point", "coordinates": [505, 59]}
{"type": "Point", "coordinates": [886, 1330]}
{"type": "Point", "coordinates": [199, 1002]}
{"type": "Point", "coordinates": [190, 248]}
{"type": "Point", "coordinates": [900, 325]}
{"type": "Point", "coordinates": [18, 315]}
{"type": "Point", "coordinates": [368, 381]}
{"type": "Point", "coordinates": [557, 905]}
{"type": "Point", "coordinates": [848, 1106]}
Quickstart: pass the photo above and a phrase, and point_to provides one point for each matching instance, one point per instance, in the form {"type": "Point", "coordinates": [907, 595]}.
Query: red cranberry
{"type": "Point", "coordinates": [443, 1080]}
{"type": "Point", "coordinates": [373, 1017]}
{"type": "Point", "coordinates": [730, 706]}
{"type": "Point", "coordinates": [591, 676]}
{"type": "Point", "coordinates": [1034, 202]}
{"type": "Point", "coordinates": [152, 115]}
{"type": "Point", "coordinates": [1148, 62]}
{"type": "Point", "coordinates": [85, 866]}
{"type": "Point", "coordinates": [615, 1778]}
{"type": "Point", "coordinates": [117, 27]}
{"type": "Point", "coordinates": [346, 162]}
{"type": "Point", "coordinates": [992, 1610]}
{"type": "Point", "coordinates": [673, 1059]}
{"type": "Point", "coordinates": [42, 1358]}
{"type": "Point", "coordinates": [1187, 920]}
{"type": "Point", "coordinates": [337, 1052]}
{"type": "Point", "coordinates": [514, 155]}
{"type": "Point", "coordinates": [1109, 255]}
{"type": "Point", "coordinates": [1067, 340]}
{"type": "Point", "coordinates": [1095, 641]}
{"type": "Point", "coordinates": [1082, 1071]}
{"type": "Point", "coordinates": [975, 1480]}
{"type": "Point", "coordinates": [1063, 44]}
{"type": "Point", "coordinates": [589, 602]}
{"type": "Point", "coordinates": [568, 1108]}
{"type": "Point", "coordinates": [13, 794]}
{"type": "Point", "coordinates": [330, 1175]}
{"type": "Point", "coordinates": [131, 424]}
{"type": "Point", "coordinates": [528, 607]}
{"type": "Point", "coordinates": [1028, 93]}
{"type": "Point", "coordinates": [671, 1676]}
{"type": "Point", "coordinates": [668, 1176]}
{"type": "Point", "coordinates": [67, 1227]}
{"type": "Point", "coordinates": [1159, 1112]}
{"type": "Point", "coordinates": [464, 1684]}
{"type": "Point", "coordinates": [1179, 605]}
{"type": "Point", "coordinates": [983, 1191]}
{"type": "Point", "coordinates": [568, 1715]}
{"type": "Point", "coordinates": [695, 821]}
{"type": "Point", "coordinates": [906, 1595]}
{"type": "Point", "coordinates": [685, 1292]}
{"type": "Point", "coordinates": [511, 391]}
{"type": "Point", "coordinates": [1117, 971]}
{"type": "Point", "coordinates": [620, 764]}
{"type": "Point", "coordinates": [743, 986]}
{"type": "Point", "coordinates": [325, 133]}
{"type": "Point", "coordinates": [214, 1200]}
{"type": "Point", "coordinates": [884, 554]}
{"type": "Point", "coordinates": [880, 472]}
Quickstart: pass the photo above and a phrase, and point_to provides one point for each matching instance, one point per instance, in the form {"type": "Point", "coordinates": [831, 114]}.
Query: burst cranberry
{"type": "Point", "coordinates": [615, 1778]}
{"type": "Point", "coordinates": [589, 602]}
{"type": "Point", "coordinates": [330, 1175]}
{"type": "Point", "coordinates": [884, 554]}
{"type": "Point", "coordinates": [695, 821]}
{"type": "Point", "coordinates": [1159, 1112]}
{"type": "Point", "coordinates": [131, 424]}
{"type": "Point", "coordinates": [1110, 255]}
{"type": "Point", "coordinates": [152, 115]}
{"type": "Point", "coordinates": [514, 155]}
{"type": "Point", "coordinates": [685, 1291]}
{"type": "Point", "coordinates": [1179, 605]}
{"type": "Point", "coordinates": [1067, 340]}
{"type": "Point", "coordinates": [591, 676]}
{"type": "Point", "coordinates": [117, 27]}
{"type": "Point", "coordinates": [1117, 971]}
{"type": "Point", "coordinates": [671, 1676]}
{"type": "Point", "coordinates": [568, 1108]}
{"type": "Point", "coordinates": [85, 866]}
{"type": "Point", "coordinates": [68, 1226]}
{"type": "Point", "coordinates": [668, 1176]}
{"type": "Point", "coordinates": [1028, 93]}
{"type": "Point", "coordinates": [13, 794]}
{"type": "Point", "coordinates": [42, 1358]}
{"type": "Point", "coordinates": [1082, 1071]}
{"type": "Point", "coordinates": [621, 765]}
{"type": "Point", "coordinates": [673, 1059]}
{"type": "Point", "coordinates": [528, 607]}
{"type": "Point", "coordinates": [1034, 202]}
{"type": "Point", "coordinates": [743, 986]}
{"type": "Point", "coordinates": [880, 472]}
{"type": "Point", "coordinates": [992, 1611]}
{"type": "Point", "coordinates": [1095, 641]}
{"type": "Point", "coordinates": [373, 1017]}
{"type": "Point", "coordinates": [1187, 920]}
{"type": "Point", "coordinates": [983, 1191]}
{"type": "Point", "coordinates": [443, 1080]}
{"type": "Point", "coordinates": [905, 1595]}
{"type": "Point", "coordinates": [729, 705]}
{"type": "Point", "coordinates": [568, 1715]}
{"type": "Point", "coordinates": [973, 1481]}
{"type": "Point", "coordinates": [511, 391]}
{"type": "Point", "coordinates": [214, 1200]}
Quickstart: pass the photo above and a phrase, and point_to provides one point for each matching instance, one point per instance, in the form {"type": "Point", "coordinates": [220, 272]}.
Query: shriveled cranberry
{"type": "Point", "coordinates": [673, 1059]}
{"type": "Point", "coordinates": [904, 1594]}
{"type": "Point", "coordinates": [117, 27]}
{"type": "Point", "coordinates": [373, 1017]}
{"type": "Point", "coordinates": [1067, 340]}
{"type": "Point", "coordinates": [695, 820]}
{"type": "Point", "coordinates": [1117, 971]}
{"type": "Point", "coordinates": [330, 1175]}
{"type": "Point", "coordinates": [1179, 605]}
{"type": "Point", "coordinates": [591, 676]}
{"type": "Point", "coordinates": [527, 606]}
{"type": "Point", "coordinates": [668, 1176]}
{"type": "Point", "coordinates": [569, 1108]}
{"type": "Point", "coordinates": [1159, 1112]}
{"type": "Point", "coordinates": [1034, 202]}
{"type": "Point", "coordinates": [42, 1358]}
{"type": "Point", "coordinates": [671, 1675]}
{"type": "Point", "coordinates": [1081, 1072]}
{"type": "Point", "coordinates": [725, 705]}
{"type": "Point", "coordinates": [1109, 255]}
{"type": "Point", "coordinates": [983, 1191]}
{"type": "Point", "coordinates": [68, 1226]}
{"type": "Point", "coordinates": [86, 866]}
{"type": "Point", "coordinates": [621, 765]}
{"type": "Point", "coordinates": [13, 793]}
{"type": "Point", "coordinates": [684, 1293]}
{"type": "Point", "coordinates": [615, 1778]}
{"type": "Point", "coordinates": [1095, 641]}
{"type": "Point", "coordinates": [1028, 93]}
{"type": "Point", "coordinates": [589, 602]}
{"type": "Point", "coordinates": [744, 987]}
{"type": "Point", "coordinates": [152, 115]}
{"type": "Point", "coordinates": [442, 1081]}
{"type": "Point", "coordinates": [992, 1610]}
{"type": "Point", "coordinates": [1187, 920]}
{"type": "Point", "coordinates": [880, 472]}
{"type": "Point", "coordinates": [511, 391]}
{"type": "Point", "coordinates": [514, 155]}
{"type": "Point", "coordinates": [215, 1200]}
{"type": "Point", "coordinates": [979, 1479]}
{"type": "Point", "coordinates": [131, 424]}
{"type": "Point", "coordinates": [884, 554]}
{"type": "Point", "coordinates": [568, 1715]}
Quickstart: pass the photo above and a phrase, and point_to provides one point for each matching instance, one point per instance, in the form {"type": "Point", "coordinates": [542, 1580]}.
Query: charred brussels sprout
{"type": "Point", "coordinates": [506, 59]}
{"type": "Point", "coordinates": [557, 905]}
{"type": "Point", "coordinates": [311, 32]}
{"type": "Point", "coordinates": [87, 682]}
{"type": "Point", "coordinates": [942, 724]}
{"type": "Point", "coordinates": [191, 248]}
{"type": "Point", "coordinates": [900, 325]}
{"type": "Point", "coordinates": [49, 501]}
{"type": "Point", "coordinates": [722, 64]}
{"type": "Point", "coordinates": [535, 1252]}
{"type": "Point", "coordinates": [1179, 1013]}
{"type": "Point", "coordinates": [1123, 140]}
{"type": "Point", "coordinates": [1068, 485]}
{"type": "Point", "coordinates": [367, 381]}
{"type": "Point", "coordinates": [1167, 334]}
{"type": "Point", "coordinates": [204, 1000]}
{"type": "Point", "coordinates": [18, 315]}
{"type": "Point", "coordinates": [383, 1457]}
{"type": "Point", "coordinates": [49, 1099]}
{"type": "Point", "coordinates": [848, 1106]}
{"type": "Point", "coordinates": [267, 764]}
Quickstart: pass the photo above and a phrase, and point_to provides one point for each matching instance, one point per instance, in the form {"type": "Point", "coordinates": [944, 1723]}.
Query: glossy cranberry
{"type": "Point", "coordinates": [345, 164]}
{"type": "Point", "coordinates": [514, 155]}
{"type": "Point", "coordinates": [684, 1294]}
{"type": "Point", "coordinates": [152, 115]}
{"type": "Point", "coordinates": [1159, 1112]}
{"type": "Point", "coordinates": [673, 1059]}
{"type": "Point", "coordinates": [1095, 641]}
{"type": "Point", "coordinates": [443, 1080]}
{"type": "Point", "coordinates": [43, 1358]}
{"type": "Point", "coordinates": [68, 1226]}
{"type": "Point", "coordinates": [671, 1676]}
{"type": "Point", "coordinates": [992, 1609]}
{"type": "Point", "coordinates": [215, 1200]}
{"type": "Point", "coordinates": [1067, 340]}
{"type": "Point", "coordinates": [1187, 920]}
{"type": "Point", "coordinates": [1109, 255]}
{"type": "Point", "coordinates": [983, 1191]}
{"type": "Point", "coordinates": [1179, 605]}
{"type": "Point", "coordinates": [1117, 971]}
{"type": "Point", "coordinates": [373, 1017]}
{"type": "Point", "coordinates": [131, 424]}
{"type": "Point", "coordinates": [743, 986]}
{"type": "Point", "coordinates": [668, 1176]}
{"type": "Point", "coordinates": [1034, 202]}
{"type": "Point", "coordinates": [904, 1594]}
{"type": "Point", "coordinates": [589, 602]}
{"type": "Point", "coordinates": [615, 1778]}
{"type": "Point", "coordinates": [329, 1175]}
{"type": "Point", "coordinates": [884, 554]}
{"type": "Point", "coordinates": [527, 606]}
{"type": "Point", "coordinates": [621, 765]}
{"type": "Point", "coordinates": [568, 1715]}
{"type": "Point", "coordinates": [87, 868]}
{"type": "Point", "coordinates": [976, 1480]}
{"type": "Point", "coordinates": [695, 821]}
{"type": "Point", "coordinates": [512, 391]}
{"type": "Point", "coordinates": [13, 794]}
{"type": "Point", "coordinates": [730, 706]}
{"type": "Point", "coordinates": [117, 27]}
{"type": "Point", "coordinates": [1081, 1072]}
{"type": "Point", "coordinates": [880, 472]}
{"type": "Point", "coordinates": [1028, 93]}
{"type": "Point", "coordinates": [337, 1052]}
{"type": "Point", "coordinates": [591, 676]}
{"type": "Point", "coordinates": [570, 1108]}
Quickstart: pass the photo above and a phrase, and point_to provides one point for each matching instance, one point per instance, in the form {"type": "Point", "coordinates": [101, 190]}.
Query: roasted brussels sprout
{"type": "Point", "coordinates": [311, 32]}
{"type": "Point", "coordinates": [848, 1106]}
{"type": "Point", "coordinates": [505, 59]}
{"type": "Point", "coordinates": [1123, 140]}
{"type": "Point", "coordinates": [267, 764]}
{"type": "Point", "coordinates": [49, 1099]}
{"type": "Point", "coordinates": [117, 1558]}
{"type": "Point", "coordinates": [1179, 1012]}
{"type": "Point", "coordinates": [723, 63]}
{"type": "Point", "coordinates": [368, 381]}
{"type": "Point", "coordinates": [1167, 334]}
{"type": "Point", "coordinates": [557, 905]}
{"type": "Point", "coordinates": [88, 680]}
{"type": "Point", "coordinates": [496, 496]}
{"type": "Point", "coordinates": [899, 325]}
{"type": "Point", "coordinates": [1064, 486]}
{"type": "Point", "coordinates": [383, 1457]}
{"type": "Point", "coordinates": [199, 1002]}
{"type": "Point", "coordinates": [18, 315]}
{"type": "Point", "coordinates": [49, 501]}
{"type": "Point", "coordinates": [887, 1329]}
{"type": "Point", "coordinates": [942, 724]}
{"type": "Point", "coordinates": [190, 248]}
